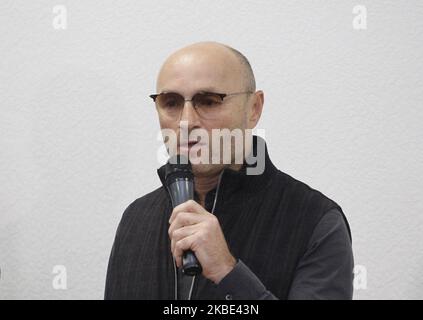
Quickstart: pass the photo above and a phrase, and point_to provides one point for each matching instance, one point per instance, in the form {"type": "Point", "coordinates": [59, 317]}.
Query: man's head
{"type": "Point", "coordinates": [216, 68]}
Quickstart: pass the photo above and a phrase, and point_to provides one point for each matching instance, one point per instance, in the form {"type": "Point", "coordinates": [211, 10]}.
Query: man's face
{"type": "Point", "coordinates": [200, 69]}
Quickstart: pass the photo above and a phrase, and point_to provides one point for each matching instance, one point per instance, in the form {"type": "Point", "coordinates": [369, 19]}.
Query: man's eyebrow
{"type": "Point", "coordinates": [208, 89]}
{"type": "Point", "coordinates": [167, 90]}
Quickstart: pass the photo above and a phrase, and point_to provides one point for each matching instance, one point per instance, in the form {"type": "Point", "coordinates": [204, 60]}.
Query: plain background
{"type": "Point", "coordinates": [78, 133]}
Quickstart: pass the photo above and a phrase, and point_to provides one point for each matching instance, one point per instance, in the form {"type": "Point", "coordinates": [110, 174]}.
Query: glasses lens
{"type": "Point", "coordinates": [170, 103]}
{"type": "Point", "coordinates": [207, 104]}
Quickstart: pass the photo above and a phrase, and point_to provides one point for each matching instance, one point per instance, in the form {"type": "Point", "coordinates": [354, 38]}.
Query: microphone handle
{"type": "Point", "coordinates": [181, 191]}
{"type": "Point", "coordinates": [191, 266]}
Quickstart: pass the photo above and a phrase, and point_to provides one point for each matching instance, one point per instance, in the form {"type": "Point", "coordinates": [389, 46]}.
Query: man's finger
{"type": "Point", "coordinates": [185, 219]}
{"type": "Point", "coordinates": [181, 233]}
{"type": "Point", "coordinates": [188, 206]}
{"type": "Point", "coordinates": [181, 246]}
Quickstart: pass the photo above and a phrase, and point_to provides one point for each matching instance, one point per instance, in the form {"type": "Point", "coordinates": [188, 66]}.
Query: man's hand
{"type": "Point", "coordinates": [192, 227]}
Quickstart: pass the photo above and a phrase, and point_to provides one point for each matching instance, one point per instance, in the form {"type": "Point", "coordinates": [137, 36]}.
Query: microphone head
{"type": "Point", "coordinates": [178, 166]}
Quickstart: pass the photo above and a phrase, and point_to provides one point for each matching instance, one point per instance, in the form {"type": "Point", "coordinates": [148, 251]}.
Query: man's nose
{"type": "Point", "coordinates": [189, 114]}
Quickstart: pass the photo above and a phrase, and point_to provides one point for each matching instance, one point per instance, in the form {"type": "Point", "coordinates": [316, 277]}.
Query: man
{"type": "Point", "coordinates": [256, 236]}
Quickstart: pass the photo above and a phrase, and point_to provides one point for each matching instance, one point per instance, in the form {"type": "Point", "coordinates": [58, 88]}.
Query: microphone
{"type": "Point", "coordinates": [180, 185]}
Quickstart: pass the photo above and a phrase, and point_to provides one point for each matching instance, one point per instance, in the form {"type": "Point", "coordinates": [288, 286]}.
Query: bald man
{"type": "Point", "coordinates": [257, 236]}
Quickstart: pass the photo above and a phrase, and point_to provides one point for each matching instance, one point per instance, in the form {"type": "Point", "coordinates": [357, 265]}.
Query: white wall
{"type": "Point", "coordinates": [343, 113]}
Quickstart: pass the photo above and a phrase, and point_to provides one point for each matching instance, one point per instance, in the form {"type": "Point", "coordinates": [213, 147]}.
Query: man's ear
{"type": "Point", "coordinates": [256, 109]}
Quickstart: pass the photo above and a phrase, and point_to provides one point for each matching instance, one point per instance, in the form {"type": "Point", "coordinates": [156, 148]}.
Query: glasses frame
{"type": "Point", "coordinates": [221, 95]}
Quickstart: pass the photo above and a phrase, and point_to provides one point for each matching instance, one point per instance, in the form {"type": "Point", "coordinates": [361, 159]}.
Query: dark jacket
{"type": "Point", "coordinates": [269, 221]}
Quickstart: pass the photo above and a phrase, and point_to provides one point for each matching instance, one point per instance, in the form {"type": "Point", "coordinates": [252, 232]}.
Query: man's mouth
{"type": "Point", "coordinates": [190, 144]}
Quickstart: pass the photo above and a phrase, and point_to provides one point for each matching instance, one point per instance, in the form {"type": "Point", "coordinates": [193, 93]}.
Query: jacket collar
{"type": "Point", "coordinates": [232, 180]}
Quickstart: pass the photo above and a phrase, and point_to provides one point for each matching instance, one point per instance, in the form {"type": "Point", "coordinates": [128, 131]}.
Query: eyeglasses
{"type": "Point", "coordinates": [207, 104]}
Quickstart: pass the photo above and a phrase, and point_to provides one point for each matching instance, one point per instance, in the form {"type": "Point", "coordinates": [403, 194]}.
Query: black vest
{"type": "Point", "coordinates": [267, 220]}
